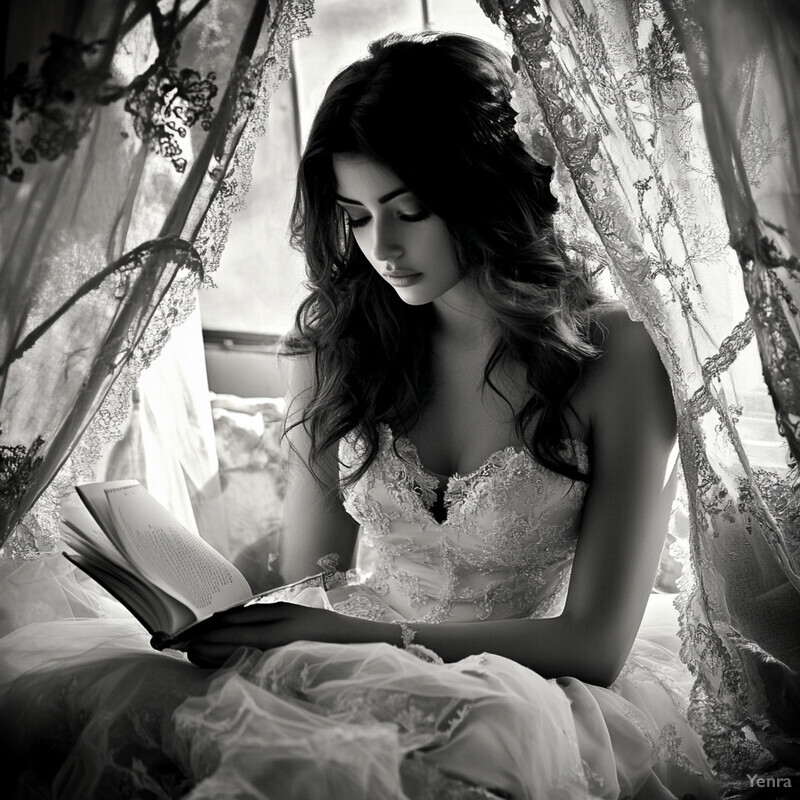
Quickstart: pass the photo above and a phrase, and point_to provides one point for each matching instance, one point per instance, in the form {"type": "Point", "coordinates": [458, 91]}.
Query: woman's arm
{"type": "Point", "coordinates": [315, 523]}
{"type": "Point", "coordinates": [628, 403]}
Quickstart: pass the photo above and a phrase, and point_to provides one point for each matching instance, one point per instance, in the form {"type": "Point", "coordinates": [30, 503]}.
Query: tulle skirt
{"type": "Point", "coordinates": [89, 710]}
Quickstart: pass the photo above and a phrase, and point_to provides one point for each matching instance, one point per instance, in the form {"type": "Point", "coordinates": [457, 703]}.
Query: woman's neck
{"type": "Point", "coordinates": [462, 318]}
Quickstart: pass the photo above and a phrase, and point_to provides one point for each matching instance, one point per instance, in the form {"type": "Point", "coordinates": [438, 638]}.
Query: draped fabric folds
{"type": "Point", "coordinates": [645, 140]}
{"type": "Point", "coordinates": [745, 63]}
{"type": "Point", "coordinates": [126, 140]}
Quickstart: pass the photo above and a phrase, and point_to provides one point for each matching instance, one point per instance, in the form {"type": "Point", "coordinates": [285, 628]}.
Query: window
{"type": "Point", "coordinates": [260, 277]}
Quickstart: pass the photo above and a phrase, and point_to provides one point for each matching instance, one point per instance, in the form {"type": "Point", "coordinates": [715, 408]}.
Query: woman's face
{"type": "Point", "coordinates": [410, 247]}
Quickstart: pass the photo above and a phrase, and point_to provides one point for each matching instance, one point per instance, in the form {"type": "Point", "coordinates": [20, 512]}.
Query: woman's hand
{"type": "Point", "coordinates": [267, 625]}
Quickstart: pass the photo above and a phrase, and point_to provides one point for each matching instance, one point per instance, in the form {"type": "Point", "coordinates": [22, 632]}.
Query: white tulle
{"type": "Point", "coordinates": [90, 710]}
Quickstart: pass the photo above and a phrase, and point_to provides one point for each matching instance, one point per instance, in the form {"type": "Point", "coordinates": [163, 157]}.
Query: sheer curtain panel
{"type": "Point", "coordinates": [126, 140]}
{"type": "Point", "coordinates": [673, 131]}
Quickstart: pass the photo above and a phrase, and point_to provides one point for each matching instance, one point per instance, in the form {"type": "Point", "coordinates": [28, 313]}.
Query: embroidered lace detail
{"type": "Point", "coordinates": [362, 606]}
{"type": "Point", "coordinates": [668, 747]}
{"type": "Point", "coordinates": [48, 110]}
{"type": "Point", "coordinates": [503, 551]}
{"type": "Point", "coordinates": [167, 101]}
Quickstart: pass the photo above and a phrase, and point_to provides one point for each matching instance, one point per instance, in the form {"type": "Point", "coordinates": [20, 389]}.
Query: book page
{"type": "Point", "coordinates": [79, 529]}
{"type": "Point", "coordinates": [170, 555]}
{"type": "Point", "coordinates": [156, 610]}
{"type": "Point", "coordinates": [94, 499]}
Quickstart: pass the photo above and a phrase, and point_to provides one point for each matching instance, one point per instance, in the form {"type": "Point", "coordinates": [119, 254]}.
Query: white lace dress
{"type": "Point", "coordinates": [91, 713]}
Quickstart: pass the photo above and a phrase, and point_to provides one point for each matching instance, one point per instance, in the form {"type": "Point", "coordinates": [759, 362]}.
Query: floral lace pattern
{"type": "Point", "coordinates": [504, 549]}
{"type": "Point", "coordinates": [648, 112]}
{"type": "Point", "coordinates": [132, 207]}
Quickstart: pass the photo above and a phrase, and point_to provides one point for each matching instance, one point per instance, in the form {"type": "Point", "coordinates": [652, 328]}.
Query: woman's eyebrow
{"type": "Point", "coordinates": [385, 199]}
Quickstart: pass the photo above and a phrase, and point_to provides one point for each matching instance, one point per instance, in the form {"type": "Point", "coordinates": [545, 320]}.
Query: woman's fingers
{"type": "Point", "coordinates": [254, 634]}
{"type": "Point", "coordinates": [206, 654]}
{"type": "Point", "coordinates": [248, 615]}
{"type": "Point", "coordinates": [260, 626]}
{"type": "Point", "coordinates": [258, 612]}
{"type": "Point", "coordinates": [216, 647]}
{"type": "Point", "coordinates": [234, 618]}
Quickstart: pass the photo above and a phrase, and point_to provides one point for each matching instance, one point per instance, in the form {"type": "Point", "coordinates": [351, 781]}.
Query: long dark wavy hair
{"type": "Point", "coordinates": [435, 108]}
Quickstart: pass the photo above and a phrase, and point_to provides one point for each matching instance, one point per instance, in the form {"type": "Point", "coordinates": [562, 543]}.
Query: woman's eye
{"type": "Point", "coordinates": [410, 216]}
{"type": "Point", "coordinates": [416, 217]}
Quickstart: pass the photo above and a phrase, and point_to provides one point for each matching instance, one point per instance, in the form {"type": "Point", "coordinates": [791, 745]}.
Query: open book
{"type": "Point", "coordinates": [167, 576]}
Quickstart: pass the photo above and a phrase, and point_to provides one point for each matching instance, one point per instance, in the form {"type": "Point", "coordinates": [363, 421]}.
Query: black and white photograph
{"type": "Point", "coordinates": [400, 400]}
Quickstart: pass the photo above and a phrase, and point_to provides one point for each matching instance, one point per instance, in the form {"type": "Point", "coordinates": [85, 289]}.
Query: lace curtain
{"type": "Point", "coordinates": [645, 141]}
{"type": "Point", "coordinates": [745, 62]}
{"type": "Point", "coordinates": [126, 142]}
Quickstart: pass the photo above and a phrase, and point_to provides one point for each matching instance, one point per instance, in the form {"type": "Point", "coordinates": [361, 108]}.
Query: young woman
{"type": "Point", "coordinates": [502, 437]}
{"type": "Point", "coordinates": [481, 445]}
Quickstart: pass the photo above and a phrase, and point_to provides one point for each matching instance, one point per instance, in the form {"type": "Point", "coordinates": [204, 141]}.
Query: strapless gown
{"type": "Point", "coordinates": [88, 710]}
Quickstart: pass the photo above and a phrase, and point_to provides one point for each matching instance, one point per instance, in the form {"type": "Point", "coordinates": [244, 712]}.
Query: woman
{"type": "Point", "coordinates": [503, 439]}
{"type": "Point", "coordinates": [443, 314]}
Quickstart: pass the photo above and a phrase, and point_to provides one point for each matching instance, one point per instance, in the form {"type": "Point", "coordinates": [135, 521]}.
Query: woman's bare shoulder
{"type": "Point", "coordinates": [628, 366]}
{"type": "Point", "coordinates": [621, 337]}
{"type": "Point", "coordinates": [295, 365]}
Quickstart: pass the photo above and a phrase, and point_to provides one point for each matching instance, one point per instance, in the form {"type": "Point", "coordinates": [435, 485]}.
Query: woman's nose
{"type": "Point", "coordinates": [386, 245]}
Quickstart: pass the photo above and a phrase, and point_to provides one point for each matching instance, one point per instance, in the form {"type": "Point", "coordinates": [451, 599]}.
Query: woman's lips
{"type": "Point", "coordinates": [402, 279]}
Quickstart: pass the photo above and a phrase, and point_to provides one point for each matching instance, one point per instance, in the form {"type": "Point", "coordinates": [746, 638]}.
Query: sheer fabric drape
{"type": "Point", "coordinates": [607, 96]}
{"type": "Point", "coordinates": [745, 63]}
{"type": "Point", "coordinates": [126, 142]}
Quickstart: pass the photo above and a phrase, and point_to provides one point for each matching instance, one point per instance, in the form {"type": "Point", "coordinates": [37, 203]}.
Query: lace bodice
{"type": "Point", "coordinates": [504, 549]}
